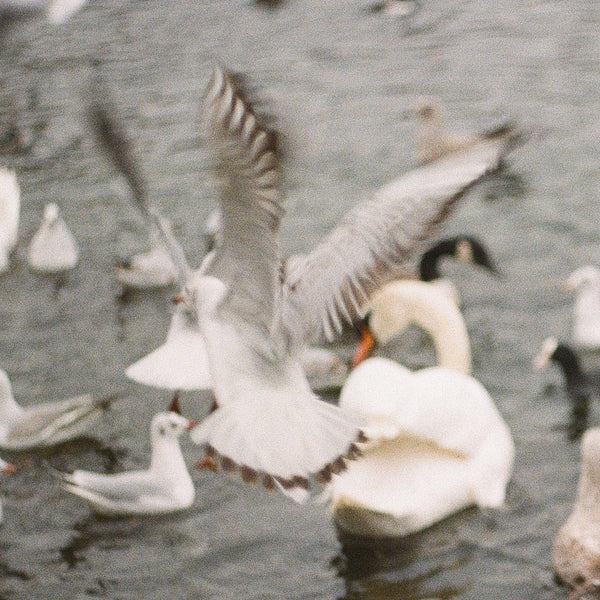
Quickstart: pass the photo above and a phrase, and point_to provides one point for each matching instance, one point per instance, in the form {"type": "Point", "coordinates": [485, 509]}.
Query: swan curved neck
{"type": "Point", "coordinates": [403, 303]}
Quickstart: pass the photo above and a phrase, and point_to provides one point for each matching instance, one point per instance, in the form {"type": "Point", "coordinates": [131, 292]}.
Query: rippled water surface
{"type": "Point", "coordinates": [342, 81]}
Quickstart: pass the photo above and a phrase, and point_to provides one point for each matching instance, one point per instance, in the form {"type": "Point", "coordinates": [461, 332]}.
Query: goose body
{"type": "Point", "coordinates": [165, 487]}
{"type": "Point", "coordinates": [585, 283]}
{"type": "Point", "coordinates": [53, 249]}
{"type": "Point", "coordinates": [44, 424]}
{"type": "Point", "coordinates": [10, 206]}
{"type": "Point", "coordinates": [435, 141]}
{"type": "Point", "coordinates": [576, 546]}
{"type": "Point", "coordinates": [437, 445]}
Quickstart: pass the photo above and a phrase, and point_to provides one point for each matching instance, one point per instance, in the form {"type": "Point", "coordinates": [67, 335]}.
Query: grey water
{"type": "Point", "coordinates": [342, 81]}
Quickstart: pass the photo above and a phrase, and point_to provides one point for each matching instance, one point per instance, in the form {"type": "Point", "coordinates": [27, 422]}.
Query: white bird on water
{"type": "Point", "coordinates": [10, 207]}
{"type": "Point", "coordinates": [47, 423]}
{"type": "Point", "coordinates": [53, 249]}
{"type": "Point", "coordinates": [255, 319]}
{"type": "Point", "coordinates": [55, 11]}
{"type": "Point", "coordinates": [165, 487]}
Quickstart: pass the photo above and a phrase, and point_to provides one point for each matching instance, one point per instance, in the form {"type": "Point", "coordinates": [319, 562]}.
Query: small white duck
{"type": "Point", "coordinates": [155, 267]}
{"type": "Point", "coordinates": [406, 301]}
{"type": "Point", "coordinates": [576, 547]}
{"type": "Point", "coordinates": [10, 206]}
{"type": "Point", "coordinates": [165, 487]}
{"type": "Point", "coordinates": [434, 141]}
{"type": "Point", "coordinates": [46, 424]}
{"type": "Point", "coordinates": [437, 444]}
{"type": "Point", "coordinates": [53, 249]}
{"type": "Point", "coordinates": [7, 469]}
{"type": "Point", "coordinates": [585, 283]}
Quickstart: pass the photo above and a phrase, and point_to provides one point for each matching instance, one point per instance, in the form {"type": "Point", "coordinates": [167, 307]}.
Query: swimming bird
{"type": "Point", "coordinates": [153, 268]}
{"type": "Point", "coordinates": [576, 546]}
{"type": "Point", "coordinates": [55, 11]}
{"type": "Point", "coordinates": [580, 385]}
{"type": "Point", "coordinates": [7, 469]}
{"type": "Point", "coordinates": [53, 249]}
{"type": "Point", "coordinates": [437, 444]}
{"type": "Point", "coordinates": [10, 207]}
{"type": "Point", "coordinates": [434, 141]}
{"type": "Point", "coordinates": [585, 283]}
{"type": "Point", "coordinates": [165, 487]}
{"type": "Point", "coordinates": [255, 317]}
{"type": "Point", "coordinates": [404, 302]}
{"type": "Point", "coordinates": [45, 424]}
{"type": "Point", "coordinates": [465, 248]}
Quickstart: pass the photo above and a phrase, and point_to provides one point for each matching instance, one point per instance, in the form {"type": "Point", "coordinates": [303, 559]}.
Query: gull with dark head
{"type": "Point", "coordinates": [255, 316]}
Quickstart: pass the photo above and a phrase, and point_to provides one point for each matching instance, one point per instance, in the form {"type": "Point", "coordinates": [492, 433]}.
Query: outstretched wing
{"type": "Point", "coordinates": [247, 165]}
{"type": "Point", "coordinates": [379, 240]}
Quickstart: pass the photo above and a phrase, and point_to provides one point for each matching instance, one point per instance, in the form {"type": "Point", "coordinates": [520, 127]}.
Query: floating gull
{"type": "Point", "coordinates": [53, 249]}
{"type": "Point", "coordinates": [44, 424]}
{"type": "Point", "coordinates": [585, 283]}
{"type": "Point", "coordinates": [10, 206]}
{"type": "Point", "coordinates": [55, 11]}
{"type": "Point", "coordinates": [165, 487]}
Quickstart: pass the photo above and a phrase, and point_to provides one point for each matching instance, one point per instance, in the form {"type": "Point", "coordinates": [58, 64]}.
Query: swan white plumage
{"type": "Point", "coordinates": [53, 249]}
{"type": "Point", "coordinates": [10, 207]}
{"type": "Point", "coordinates": [165, 487]}
{"type": "Point", "coordinates": [576, 546]}
{"type": "Point", "coordinates": [434, 140]}
{"type": "Point", "coordinates": [437, 445]}
{"type": "Point", "coordinates": [404, 302]}
{"type": "Point", "coordinates": [45, 424]}
{"type": "Point", "coordinates": [585, 283]}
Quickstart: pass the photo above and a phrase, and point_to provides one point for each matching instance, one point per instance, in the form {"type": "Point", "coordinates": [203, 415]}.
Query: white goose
{"type": "Point", "coordinates": [10, 206]}
{"type": "Point", "coordinates": [267, 423]}
{"type": "Point", "coordinates": [576, 547]}
{"type": "Point", "coordinates": [165, 487]}
{"type": "Point", "coordinates": [585, 283]}
{"type": "Point", "coordinates": [438, 445]}
{"type": "Point", "coordinates": [434, 141]}
{"type": "Point", "coordinates": [401, 303]}
{"type": "Point", "coordinates": [153, 268]}
{"type": "Point", "coordinates": [53, 249]}
{"type": "Point", "coordinates": [45, 424]}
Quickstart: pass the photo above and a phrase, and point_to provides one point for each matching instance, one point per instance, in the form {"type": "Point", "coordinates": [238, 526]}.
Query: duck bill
{"type": "Point", "coordinates": [365, 347]}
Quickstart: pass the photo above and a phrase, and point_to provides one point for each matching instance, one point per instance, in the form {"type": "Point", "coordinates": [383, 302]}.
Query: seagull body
{"type": "Point", "coordinates": [53, 249]}
{"type": "Point", "coordinates": [434, 141]}
{"type": "Point", "coordinates": [45, 424]}
{"type": "Point", "coordinates": [10, 206]}
{"type": "Point", "coordinates": [585, 283]}
{"type": "Point", "coordinates": [165, 487]}
{"type": "Point", "coordinates": [255, 321]}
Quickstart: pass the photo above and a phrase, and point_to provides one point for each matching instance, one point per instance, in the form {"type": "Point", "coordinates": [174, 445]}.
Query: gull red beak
{"type": "Point", "coordinates": [365, 347]}
{"type": "Point", "coordinates": [9, 469]}
{"type": "Point", "coordinates": [207, 463]}
{"type": "Point", "coordinates": [191, 424]}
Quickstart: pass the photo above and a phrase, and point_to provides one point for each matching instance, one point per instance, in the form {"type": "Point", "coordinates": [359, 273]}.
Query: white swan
{"type": "Point", "coordinates": [576, 547]}
{"type": "Point", "coordinates": [10, 206]}
{"type": "Point", "coordinates": [585, 283]}
{"type": "Point", "coordinates": [438, 444]}
{"type": "Point", "coordinates": [53, 249]}
{"type": "Point", "coordinates": [401, 303]}
{"type": "Point", "coordinates": [434, 141]}
{"type": "Point", "coordinates": [44, 424]}
{"type": "Point", "coordinates": [165, 487]}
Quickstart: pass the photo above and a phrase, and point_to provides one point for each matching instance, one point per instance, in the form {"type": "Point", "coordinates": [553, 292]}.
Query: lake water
{"type": "Point", "coordinates": [342, 81]}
